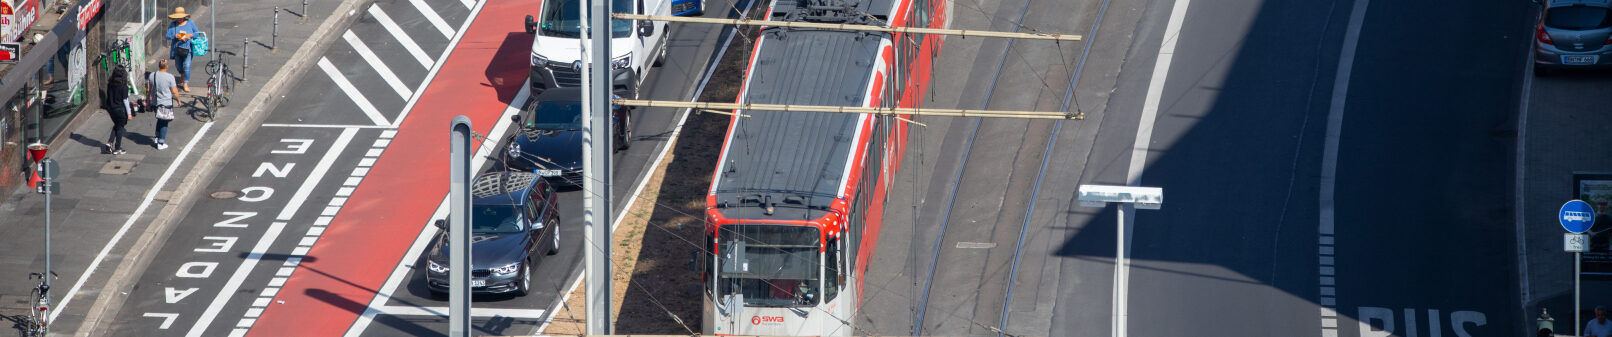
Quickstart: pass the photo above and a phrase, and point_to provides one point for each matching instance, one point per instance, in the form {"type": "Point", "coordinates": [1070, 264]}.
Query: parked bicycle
{"type": "Point", "coordinates": [39, 312]}
{"type": "Point", "coordinates": [220, 83]}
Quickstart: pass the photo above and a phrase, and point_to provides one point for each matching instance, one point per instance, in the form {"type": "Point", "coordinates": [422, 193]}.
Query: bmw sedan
{"type": "Point", "coordinates": [1573, 33]}
{"type": "Point", "coordinates": [514, 224]}
{"type": "Point", "coordinates": [549, 143]}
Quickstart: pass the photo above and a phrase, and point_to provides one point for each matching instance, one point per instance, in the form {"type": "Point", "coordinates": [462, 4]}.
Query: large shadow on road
{"type": "Point", "coordinates": [1423, 187]}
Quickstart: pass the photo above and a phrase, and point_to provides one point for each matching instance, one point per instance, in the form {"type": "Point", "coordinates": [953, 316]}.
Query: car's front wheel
{"type": "Point", "coordinates": [525, 285]}
{"type": "Point", "coordinates": [624, 132]}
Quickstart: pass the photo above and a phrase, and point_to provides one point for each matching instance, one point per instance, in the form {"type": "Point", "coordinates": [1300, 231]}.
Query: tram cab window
{"type": "Point", "coordinates": [780, 266]}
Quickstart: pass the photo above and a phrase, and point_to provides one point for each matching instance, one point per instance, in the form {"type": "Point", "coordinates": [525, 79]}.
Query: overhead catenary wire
{"type": "Point", "coordinates": [853, 109]}
{"type": "Point", "coordinates": [853, 27]}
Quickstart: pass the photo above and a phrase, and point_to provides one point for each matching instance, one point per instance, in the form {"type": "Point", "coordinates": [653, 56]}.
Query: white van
{"type": "Point", "coordinates": [557, 48]}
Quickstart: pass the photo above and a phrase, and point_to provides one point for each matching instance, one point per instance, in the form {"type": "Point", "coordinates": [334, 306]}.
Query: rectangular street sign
{"type": "Point", "coordinates": [1575, 242]}
{"type": "Point", "coordinates": [51, 187]}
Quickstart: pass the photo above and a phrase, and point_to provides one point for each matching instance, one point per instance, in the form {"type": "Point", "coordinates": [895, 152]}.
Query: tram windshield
{"type": "Point", "coordinates": [780, 265]}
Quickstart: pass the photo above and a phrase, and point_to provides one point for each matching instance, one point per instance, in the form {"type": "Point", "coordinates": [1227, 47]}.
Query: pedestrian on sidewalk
{"type": "Point", "coordinates": [117, 106]}
{"type": "Point", "coordinates": [163, 91]}
{"type": "Point", "coordinates": [1600, 326]}
{"type": "Point", "coordinates": [179, 33]}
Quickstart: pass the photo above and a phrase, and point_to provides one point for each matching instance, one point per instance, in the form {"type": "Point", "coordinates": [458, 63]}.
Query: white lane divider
{"type": "Point", "coordinates": [469, 3]}
{"type": "Point", "coordinates": [436, 20]}
{"type": "Point", "coordinates": [246, 267]}
{"type": "Point", "coordinates": [402, 37]}
{"type": "Point", "coordinates": [1327, 242]}
{"type": "Point", "coordinates": [380, 67]}
{"type": "Point", "coordinates": [314, 232]}
{"type": "Point", "coordinates": [1120, 307]}
{"type": "Point", "coordinates": [352, 92]}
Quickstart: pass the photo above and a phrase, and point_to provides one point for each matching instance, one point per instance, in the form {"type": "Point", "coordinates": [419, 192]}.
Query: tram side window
{"type": "Point", "coordinates": [832, 278]}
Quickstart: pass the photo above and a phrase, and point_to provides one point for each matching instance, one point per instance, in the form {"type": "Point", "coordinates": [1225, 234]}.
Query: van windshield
{"type": "Point", "coordinates": [563, 18]}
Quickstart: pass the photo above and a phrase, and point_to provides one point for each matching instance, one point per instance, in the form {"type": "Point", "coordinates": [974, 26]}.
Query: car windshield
{"type": "Point", "coordinates": [563, 18]}
{"type": "Point", "coordinates": [556, 115]}
{"type": "Point", "coordinates": [1578, 18]}
{"type": "Point", "coordinates": [496, 219]}
{"type": "Point", "coordinates": [780, 267]}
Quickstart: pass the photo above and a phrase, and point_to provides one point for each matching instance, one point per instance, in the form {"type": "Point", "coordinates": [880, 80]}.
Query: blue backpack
{"type": "Point", "coordinates": [198, 44]}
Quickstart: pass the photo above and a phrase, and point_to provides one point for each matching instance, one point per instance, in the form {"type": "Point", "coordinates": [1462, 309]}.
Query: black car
{"type": "Point", "coordinates": [514, 218]}
{"type": "Point", "coordinates": [549, 143]}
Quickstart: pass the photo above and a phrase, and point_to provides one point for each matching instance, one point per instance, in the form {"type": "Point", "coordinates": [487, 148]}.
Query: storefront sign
{"type": "Point", "coordinates": [86, 12]}
{"type": "Point", "coordinates": [1596, 189]}
{"type": "Point", "coordinates": [10, 52]}
{"type": "Point", "coordinates": [15, 18]}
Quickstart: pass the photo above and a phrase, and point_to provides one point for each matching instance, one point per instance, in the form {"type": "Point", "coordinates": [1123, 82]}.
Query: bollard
{"type": "Point", "coordinates": [304, 11]}
{"type": "Point", "coordinates": [275, 39]}
{"type": "Point", "coordinates": [246, 48]}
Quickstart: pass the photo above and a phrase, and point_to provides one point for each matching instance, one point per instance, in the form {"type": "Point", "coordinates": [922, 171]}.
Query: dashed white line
{"type": "Point", "coordinates": [436, 20]}
{"type": "Point", "coordinates": [402, 36]}
{"type": "Point", "coordinates": [352, 92]}
{"type": "Point", "coordinates": [380, 67]}
{"type": "Point", "coordinates": [236, 279]}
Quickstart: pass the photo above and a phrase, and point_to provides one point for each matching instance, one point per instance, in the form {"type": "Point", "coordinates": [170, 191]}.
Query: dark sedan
{"type": "Point", "coordinates": [513, 218]}
{"type": "Point", "coordinates": [549, 143]}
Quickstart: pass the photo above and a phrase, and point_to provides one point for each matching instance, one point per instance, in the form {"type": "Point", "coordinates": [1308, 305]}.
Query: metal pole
{"type": "Point", "coordinates": [47, 238]}
{"type": "Point", "coordinates": [459, 228]}
{"type": "Point", "coordinates": [596, 169]}
{"type": "Point", "coordinates": [275, 42]}
{"type": "Point", "coordinates": [212, 28]}
{"type": "Point", "coordinates": [1578, 311]}
{"type": "Point", "coordinates": [1121, 273]}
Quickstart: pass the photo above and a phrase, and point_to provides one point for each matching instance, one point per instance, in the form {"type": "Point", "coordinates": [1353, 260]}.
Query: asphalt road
{"type": "Point", "coordinates": [230, 255]}
{"type": "Point", "coordinates": [1423, 237]}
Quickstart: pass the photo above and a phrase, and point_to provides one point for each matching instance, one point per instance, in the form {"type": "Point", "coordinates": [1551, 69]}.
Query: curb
{"type": "Point", "coordinates": [145, 249]}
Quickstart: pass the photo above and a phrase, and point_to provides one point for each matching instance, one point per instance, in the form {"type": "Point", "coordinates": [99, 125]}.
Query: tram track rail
{"type": "Point", "coordinates": [1047, 152]}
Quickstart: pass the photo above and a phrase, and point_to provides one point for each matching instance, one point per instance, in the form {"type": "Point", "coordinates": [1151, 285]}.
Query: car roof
{"type": "Point", "coordinates": [1594, 3]}
{"type": "Point", "coordinates": [502, 188]}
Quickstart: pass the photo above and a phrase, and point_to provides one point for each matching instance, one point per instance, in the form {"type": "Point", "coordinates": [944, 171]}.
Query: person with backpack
{"type": "Point", "coordinates": [163, 91]}
{"type": "Point", "coordinates": [116, 103]}
{"type": "Point", "coordinates": [180, 31]}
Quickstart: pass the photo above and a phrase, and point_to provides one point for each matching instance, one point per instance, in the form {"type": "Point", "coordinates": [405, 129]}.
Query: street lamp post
{"type": "Point", "coordinates": [1130, 198]}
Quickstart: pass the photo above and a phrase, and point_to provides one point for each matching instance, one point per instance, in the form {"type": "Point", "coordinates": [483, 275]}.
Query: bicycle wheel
{"type": "Point", "coordinates": [226, 86]}
{"type": "Point", "coordinates": [36, 317]}
{"type": "Point", "coordinates": [212, 67]}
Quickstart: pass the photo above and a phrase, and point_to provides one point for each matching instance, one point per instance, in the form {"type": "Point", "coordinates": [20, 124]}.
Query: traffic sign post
{"type": "Point", "coordinates": [1576, 216]}
{"type": "Point", "coordinates": [48, 171]}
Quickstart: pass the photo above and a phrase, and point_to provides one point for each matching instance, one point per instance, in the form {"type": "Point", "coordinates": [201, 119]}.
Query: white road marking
{"type": "Point", "coordinates": [352, 92]}
{"type": "Point", "coordinates": [469, 3]}
{"type": "Point", "coordinates": [474, 312]}
{"type": "Point", "coordinates": [327, 126]}
{"type": "Point", "coordinates": [436, 20]}
{"type": "Point", "coordinates": [145, 203]}
{"type": "Point", "coordinates": [1329, 159]}
{"type": "Point", "coordinates": [317, 174]}
{"type": "Point", "coordinates": [235, 280]}
{"type": "Point", "coordinates": [380, 67]}
{"type": "Point", "coordinates": [1522, 174]}
{"type": "Point", "coordinates": [432, 73]}
{"type": "Point", "coordinates": [403, 37]}
{"type": "Point", "coordinates": [1139, 150]}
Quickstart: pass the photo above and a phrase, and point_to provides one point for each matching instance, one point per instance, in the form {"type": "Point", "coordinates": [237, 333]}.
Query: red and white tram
{"type": "Point", "coordinates": [795, 204]}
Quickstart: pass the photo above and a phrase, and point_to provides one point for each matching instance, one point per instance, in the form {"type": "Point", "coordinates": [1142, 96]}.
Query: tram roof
{"type": "Point", "coordinates": [796, 160]}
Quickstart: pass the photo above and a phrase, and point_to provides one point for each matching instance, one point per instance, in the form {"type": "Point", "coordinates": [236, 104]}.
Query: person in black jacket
{"type": "Point", "coordinates": [117, 95]}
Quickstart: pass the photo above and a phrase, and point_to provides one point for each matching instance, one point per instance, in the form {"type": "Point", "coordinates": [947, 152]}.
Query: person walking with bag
{"type": "Point", "coordinates": [117, 106]}
{"type": "Point", "coordinates": [163, 90]}
{"type": "Point", "coordinates": [180, 31]}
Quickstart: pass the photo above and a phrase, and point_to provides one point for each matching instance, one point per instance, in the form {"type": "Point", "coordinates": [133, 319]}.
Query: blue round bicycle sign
{"type": "Point", "coordinates": [1577, 216]}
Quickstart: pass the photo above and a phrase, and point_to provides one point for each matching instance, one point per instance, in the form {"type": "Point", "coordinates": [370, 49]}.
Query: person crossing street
{"type": "Point", "coordinates": [180, 31]}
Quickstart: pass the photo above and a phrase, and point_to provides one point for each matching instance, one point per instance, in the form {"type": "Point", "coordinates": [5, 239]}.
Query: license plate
{"type": "Point", "coordinates": [547, 173]}
{"type": "Point", "coordinates": [478, 283]}
{"type": "Point", "coordinates": [1579, 60]}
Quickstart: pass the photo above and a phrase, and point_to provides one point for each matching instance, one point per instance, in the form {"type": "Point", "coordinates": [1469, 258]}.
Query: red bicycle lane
{"type": "Point", "coordinates": [344, 270]}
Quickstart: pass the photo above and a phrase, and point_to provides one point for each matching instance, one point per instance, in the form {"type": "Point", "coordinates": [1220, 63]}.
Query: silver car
{"type": "Point", "coordinates": [1573, 34]}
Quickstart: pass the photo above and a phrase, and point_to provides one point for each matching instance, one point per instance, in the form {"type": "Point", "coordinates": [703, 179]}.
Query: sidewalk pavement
{"type": "Point", "coordinates": [107, 201]}
{"type": "Point", "coordinates": [1565, 132]}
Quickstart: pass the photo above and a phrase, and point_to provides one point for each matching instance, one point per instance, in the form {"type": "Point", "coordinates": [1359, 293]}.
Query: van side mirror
{"type": "Point", "coordinates": [442, 224]}
{"type": "Point", "coordinates": [531, 25]}
{"type": "Point", "coordinates": [646, 28]}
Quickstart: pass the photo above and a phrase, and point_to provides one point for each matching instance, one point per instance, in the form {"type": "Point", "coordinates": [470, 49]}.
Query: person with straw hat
{"type": "Point", "coordinates": [179, 33]}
